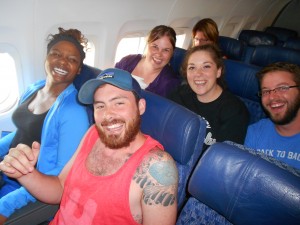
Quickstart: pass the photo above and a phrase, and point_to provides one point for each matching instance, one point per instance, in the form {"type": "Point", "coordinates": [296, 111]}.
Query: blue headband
{"type": "Point", "coordinates": [67, 38]}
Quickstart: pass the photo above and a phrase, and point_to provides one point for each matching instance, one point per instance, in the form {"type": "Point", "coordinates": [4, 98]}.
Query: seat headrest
{"type": "Point", "coordinates": [241, 79]}
{"type": "Point", "coordinates": [292, 42]}
{"type": "Point", "coordinates": [281, 33]}
{"type": "Point", "coordinates": [177, 59]}
{"type": "Point", "coordinates": [255, 38]}
{"type": "Point", "coordinates": [86, 73]}
{"type": "Point", "coordinates": [231, 48]}
{"type": "Point", "coordinates": [178, 129]}
{"type": "Point", "coordinates": [246, 187]}
{"type": "Point", "coordinates": [264, 55]}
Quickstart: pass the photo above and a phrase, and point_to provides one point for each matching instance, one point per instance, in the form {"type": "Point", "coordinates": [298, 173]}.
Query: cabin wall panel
{"type": "Point", "coordinates": [33, 20]}
{"type": "Point", "coordinates": [290, 17]}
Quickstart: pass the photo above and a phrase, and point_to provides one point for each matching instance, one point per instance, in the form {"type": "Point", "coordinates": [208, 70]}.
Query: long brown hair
{"type": "Point", "coordinates": [209, 29]}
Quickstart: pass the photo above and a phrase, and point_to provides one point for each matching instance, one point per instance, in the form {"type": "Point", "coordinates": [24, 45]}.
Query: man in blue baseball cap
{"type": "Point", "coordinates": [118, 175]}
{"type": "Point", "coordinates": [117, 77]}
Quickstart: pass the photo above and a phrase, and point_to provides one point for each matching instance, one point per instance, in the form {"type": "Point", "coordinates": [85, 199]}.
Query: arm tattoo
{"type": "Point", "coordinates": [159, 180]}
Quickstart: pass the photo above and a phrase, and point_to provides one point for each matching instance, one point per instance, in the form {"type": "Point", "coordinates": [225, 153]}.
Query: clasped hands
{"type": "Point", "coordinates": [20, 160]}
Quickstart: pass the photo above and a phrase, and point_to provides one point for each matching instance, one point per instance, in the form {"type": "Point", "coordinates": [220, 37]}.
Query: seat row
{"type": "Point", "coordinates": [235, 185]}
{"type": "Point", "coordinates": [283, 35]}
{"type": "Point", "coordinates": [271, 36]}
{"type": "Point", "coordinates": [258, 54]}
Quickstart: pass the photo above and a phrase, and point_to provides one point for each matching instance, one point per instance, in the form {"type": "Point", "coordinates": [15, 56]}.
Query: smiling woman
{"type": "Point", "coordinates": [152, 70]}
{"type": "Point", "coordinates": [205, 94]}
{"type": "Point", "coordinates": [48, 110]}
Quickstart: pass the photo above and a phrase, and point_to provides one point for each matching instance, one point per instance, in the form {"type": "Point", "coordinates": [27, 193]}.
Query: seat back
{"type": "Point", "coordinates": [232, 184]}
{"type": "Point", "coordinates": [86, 73]}
{"type": "Point", "coordinates": [293, 43]}
{"type": "Point", "coordinates": [264, 55]}
{"type": "Point", "coordinates": [242, 81]}
{"type": "Point", "coordinates": [255, 38]}
{"type": "Point", "coordinates": [179, 130]}
{"type": "Point", "coordinates": [231, 47]}
{"type": "Point", "coordinates": [282, 34]}
{"type": "Point", "coordinates": [177, 59]}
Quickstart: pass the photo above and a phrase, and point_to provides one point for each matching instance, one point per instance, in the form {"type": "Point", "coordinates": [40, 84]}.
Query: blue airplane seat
{"type": "Point", "coordinates": [231, 47]}
{"type": "Point", "coordinates": [86, 73]}
{"type": "Point", "coordinates": [293, 43]}
{"type": "Point", "coordinates": [235, 185]}
{"type": "Point", "coordinates": [179, 130]}
{"type": "Point", "coordinates": [177, 59]}
{"type": "Point", "coordinates": [264, 55]}
{"type": "Point", "coordinates": [282, 34]}
{"type": "Point", "coordinates": [241, 80]}
{"type": "Point", "coordinates": [255, 38]}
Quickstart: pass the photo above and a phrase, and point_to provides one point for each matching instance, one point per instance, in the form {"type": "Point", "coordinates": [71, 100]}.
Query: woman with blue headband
{"type": "Point", "coordinates": [49, 113]}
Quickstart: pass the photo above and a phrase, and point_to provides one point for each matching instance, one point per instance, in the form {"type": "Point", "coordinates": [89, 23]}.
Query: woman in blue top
{"type": "Point", "coordinates": [152, 70]}
{"type": "Point", "coordinates": [50, 114]}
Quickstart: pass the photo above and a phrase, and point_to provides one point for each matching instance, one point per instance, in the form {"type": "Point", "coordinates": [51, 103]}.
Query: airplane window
{"type": "Point", "coordinates": [136, 45]}
{"type": "Point", "coordinates": [130, 45]}
{"type": "Point", "coordinates": [9, 93]}
{"type": "Point", "coordinates": [180, 40]}
{"type": "Point", "coordinates": [90, 54]}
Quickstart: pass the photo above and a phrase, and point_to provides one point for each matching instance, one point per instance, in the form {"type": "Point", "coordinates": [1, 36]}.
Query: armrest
{"type": "Point", "coordinates": [34, 213]}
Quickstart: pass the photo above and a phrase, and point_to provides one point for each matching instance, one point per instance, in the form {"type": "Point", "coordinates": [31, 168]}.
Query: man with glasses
{"type": "Point", "coordinates": [279, 135]}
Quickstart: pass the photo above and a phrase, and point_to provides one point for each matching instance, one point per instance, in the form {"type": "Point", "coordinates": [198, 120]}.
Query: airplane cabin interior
{"type": "Point", "coordinates": [229, 183]}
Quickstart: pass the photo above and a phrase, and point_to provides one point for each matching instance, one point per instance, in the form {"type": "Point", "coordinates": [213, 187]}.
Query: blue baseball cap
{"type": "Point", "coordinates": [117, 77]}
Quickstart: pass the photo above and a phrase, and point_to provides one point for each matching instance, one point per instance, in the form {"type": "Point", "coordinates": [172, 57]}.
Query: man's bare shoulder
{"type": "Point", "coordinates": [158, 177]}
{"type": "Point", "coordinates": [157, 154]}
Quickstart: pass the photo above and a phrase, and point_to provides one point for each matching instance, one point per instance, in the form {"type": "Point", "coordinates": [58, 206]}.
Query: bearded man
{"type": "Point", "coordinates": [279, 135]}
{"type": "Point", "coordinates": [118, 175]}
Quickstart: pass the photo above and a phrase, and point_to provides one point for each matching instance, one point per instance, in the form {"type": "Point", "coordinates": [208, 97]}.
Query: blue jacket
{"type": "Point", "coordinates": [64, 126]}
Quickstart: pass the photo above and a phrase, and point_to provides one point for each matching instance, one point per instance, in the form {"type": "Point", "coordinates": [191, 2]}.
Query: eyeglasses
{"type": "Point", "coordinates": [281, 89]}
{"type": "Point", "coordinates": [200, 40]}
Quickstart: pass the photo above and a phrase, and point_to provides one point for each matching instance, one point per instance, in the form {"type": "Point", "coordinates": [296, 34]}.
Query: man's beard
{"type": "Point", "coordinates": [289, 115]}
{"type": "Point", "coordinates": [118, 141]}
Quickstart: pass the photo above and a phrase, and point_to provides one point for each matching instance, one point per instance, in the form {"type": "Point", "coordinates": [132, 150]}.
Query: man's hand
{"type": "Point", "coordinates": [20, 160]}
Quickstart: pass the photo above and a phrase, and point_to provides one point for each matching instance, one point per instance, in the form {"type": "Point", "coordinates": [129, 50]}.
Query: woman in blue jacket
{"type": "Point", "coordinates": [50, 114]}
